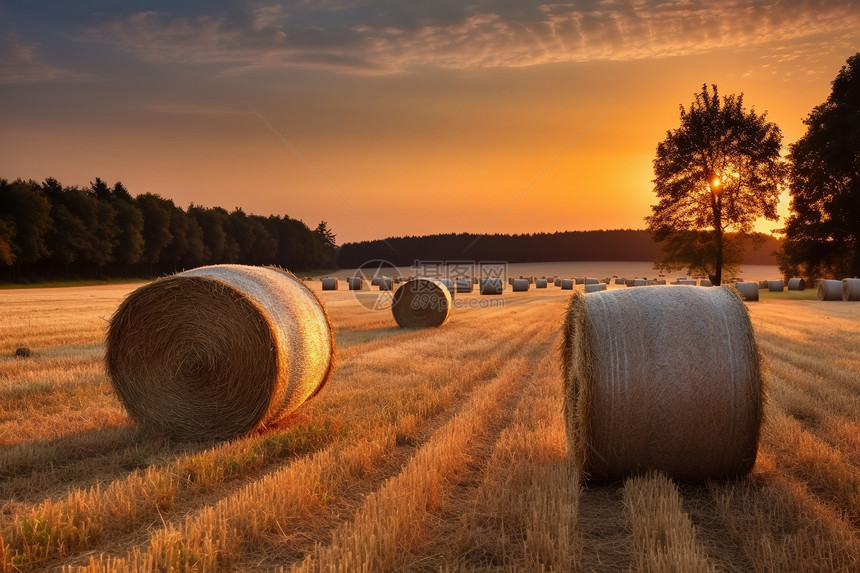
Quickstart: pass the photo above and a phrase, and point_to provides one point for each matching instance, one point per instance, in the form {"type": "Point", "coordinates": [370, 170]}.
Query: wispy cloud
{"type": "Point", "coordinates": [384, 36]}
{"type": "Point", "coordinates": [20, 62]}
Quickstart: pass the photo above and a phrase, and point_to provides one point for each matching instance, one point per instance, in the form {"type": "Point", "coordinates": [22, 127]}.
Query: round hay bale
{"type": "Point", "coordinates": [520, 285]}
{"type": "Point", "coordinates": [591, 281]}
{"type": "Point", "coordinates": [796, 284]}
{"type": "Point", "coordinates": [850, 289]}
{"type": "Point", "coordinates": [627, 409]}
{"type": "Point", "coordinates": [463, 285]}
{"type": "Point", "coordinates": [762, 285]}
{"type": "Point", "coordinates": [540, 283]}
{"type": "Point", "coordinates": [24, 352]}
{"type": "Point", "coordinates": [329, 283]}
{"type": "Point", "coordinates": [829, 290]}
{"type": "Point", "coordinates": [566, 284]}
{"type": "Point", "coordinates": [595, 288]}
{"type": "Point", "coordinates": [491, 286]}
{"type": "Point", "coordinates": [384, 283]}
{"type": "Point", "coordinates": [706, 283]}
{"type": "Point", "coordinates": [556, 282]}
{"type": "Point", "coordinates": [374, 281]}
{"type": "Point", "coordinates": [217, 351]}
{"type": "Point", "coordinates": [449, 284]}
{"type": "Point", "coordinates": [748, 291]}
{"type": "Point", "coordinates": [421, 303]}
{"type": "Point", "coordinates": [354, 283]}
{"type": "Point", "coordinates": [775, 286]}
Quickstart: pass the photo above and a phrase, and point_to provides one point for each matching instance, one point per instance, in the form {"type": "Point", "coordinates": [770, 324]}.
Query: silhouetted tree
{"type": "Point", "coordinates": [719, 171]}
{"type": "Point", "coordinates": [823, 230]}
{"type": "Point", "coordinates": [26, 212]}
{"type": "Point", "coordinates": [156, 213]}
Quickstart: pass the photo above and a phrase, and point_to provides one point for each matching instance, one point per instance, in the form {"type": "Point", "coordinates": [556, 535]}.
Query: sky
{"type": "Point", "coordinates": [388, 118]}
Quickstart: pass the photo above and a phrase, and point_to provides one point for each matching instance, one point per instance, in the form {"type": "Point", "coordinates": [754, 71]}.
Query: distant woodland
{"type": "Point", "coordinates": [610, 245]}
{"type": "Point", "coordinates": [52, 232]}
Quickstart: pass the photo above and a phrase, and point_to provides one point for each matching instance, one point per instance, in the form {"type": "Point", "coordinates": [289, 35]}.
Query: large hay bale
{"type": "Point", "coordinates": [354, 283]}
{"type": "Point", "coordinates": [748, 291]}
{"type": "Point", "coordinates": [566, 284]}
{"type": "Point", "coordinates": [850, 289]}
{"type": "Point", "coordinates": [421, 303]}
{"type": "Point", "coordinates": [775, 286]}
{"type": "Point", "coordinates": [829, 290]}
{"type": "Point", "coordinates": [796, 284]}
{"type": "Point", "coordinates": [463, 285]}
{"type": "Point", "coordinates": [329, 283]}
{"type": "Point", "coordinates": [595, 288]}
{"type": "Point", "coordinates": [541, 283]}
{"type": "Point", "coordinates": [491, 286]}
{"type": "Point", "coordinates": [642, 394]}
{"type": "Point", "coordinates": [217, 351]}
{"type": "Point", "coordinates": [520, 285]}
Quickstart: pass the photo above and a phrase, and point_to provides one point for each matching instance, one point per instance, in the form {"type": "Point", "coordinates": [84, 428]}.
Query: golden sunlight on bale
{"type": "Point", "coordinates": [421, 303]}
{"type": "Point", "coordinates": [642, 394]}
{"type": "Point", "coordinates": [829, 290]}
{"type": "Point", "coordinates": [491, 286]}
{"type": "Point", "coordinates": [329, 283]}
{"type": "Point", "coordinates": [217, 351]}
{"type": "Point", "coordinates": [850, 289]}
{"type": "Point", "coordinates": [796, 284]}
{"type": "Point", "coordinates": [775, 286]}
{"type": "Point", "coordinates": [748, 291]}
{"type": "Point", "coordinates": [520, 285]}
{"type": "Point", "coordinates": [595, 287]}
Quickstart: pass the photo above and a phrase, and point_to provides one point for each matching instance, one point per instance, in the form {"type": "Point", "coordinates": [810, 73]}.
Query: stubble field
{"type": "Point", "coordinates": [438, 450]}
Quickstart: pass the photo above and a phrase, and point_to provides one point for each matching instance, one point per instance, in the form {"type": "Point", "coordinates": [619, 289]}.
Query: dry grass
{"type": "Point", "coordinates": [438, 450]}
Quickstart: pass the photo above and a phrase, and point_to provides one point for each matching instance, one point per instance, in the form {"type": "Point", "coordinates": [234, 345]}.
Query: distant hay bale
{"type": "Point", "coordinates": [775, 286]}
{"type": "Point", "coordinates": [329, 283]}
{"type": "Point", "coordinates": [449, 284]}
{"type": "Point", "coordinates": [748, 291]}
{"type": "Point", "coordinates": [829, 290]}
{"type": "Point", "coordinates": [384, 283]}
{"type": "Point", "coordinates": [641, 394]}
{"type": "Point", "coordinates": [706, 283]}
{"type": "Point", "coordinates": [491, 286]}
{"type": "Point", "coordinates": [566, 284]}
{"type": "Point", "coordinates": [661, 281]}
{"type": "Point", "coordinates": [354, 283]}
{"type": "Point", "coordinates": [421, 303]}
{"type": "Point", "coordinates": [762, 284]}
{"type": "Point", "coordinates": [620, 281]}
{"type": "Point", "coordinates": [540, 283]}
{"type": "Point", "coordinates": [796, 284]}
{"type": "Point", "coordinates": [215, 352]}
{"type": "Point", "coordinates": [23, 352]}
{"type": "Point", "coordinates": [636, 282]}
{"type": "Point", "coordinates": [374, 281]}
{"type": "Point", "coordinates": [595, 287]}
{"type": "Point", "coordinates": [687, 282]}
{"type": "Point", "coordinates": [556, 282]}
{"type": "Point", "coordinates": [850, 289]}
{"type": "Point", "coordinates": [520, 285]}
{"type": "Point", "coordinates": [463, 285]}
{"type": "Point", "coordinates": [591, 281]}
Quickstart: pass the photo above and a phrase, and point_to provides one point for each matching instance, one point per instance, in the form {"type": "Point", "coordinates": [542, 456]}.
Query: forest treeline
{"type": "Point", "coordinates": [604, 245]}
{"type": "Point", "coordinates": [52, 232]}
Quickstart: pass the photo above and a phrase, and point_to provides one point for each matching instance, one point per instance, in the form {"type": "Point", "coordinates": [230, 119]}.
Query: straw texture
{"type": "Point", "coordinates": [829, 290]}
{"type": "Point", "coordinates": [215, 352]}
{"type": "Point", "coordinates": [641, 393]}
{"type": "Point", "coordinates": [421, 303]}
{"type": "Point", "coordinates": [748, 291]}
{"type": "Point", "coordinates": [850, 289]}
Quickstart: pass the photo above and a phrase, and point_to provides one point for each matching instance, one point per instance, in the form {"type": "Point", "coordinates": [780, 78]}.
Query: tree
{"type": "Point", "coordinates": [719, 171]}
{"type": "Point", "coordinates": [25, 211]}
{"type": "Point", "coordinates": [823, 230]}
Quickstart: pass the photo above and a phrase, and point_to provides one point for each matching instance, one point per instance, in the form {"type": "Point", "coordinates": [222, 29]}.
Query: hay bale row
{"type": "Point", "coordinates": [748, 291]}
{"type": "Point", "coordinates": [775, 286]}
{"type": "Point", "coordinates": [851, 289]}
{"type": "Point", "coordinates": [641, 394]}
{"type": "Point", "coordinates": [421, 303]}
{"type": "Point", "coordinates": [215, 352]}
{"type": "Point", "coordinates": [520, 285]}
{"type": "Point", "coordinates": [796, 284]}
{"type": "Point", "coordinates": [829, 290]}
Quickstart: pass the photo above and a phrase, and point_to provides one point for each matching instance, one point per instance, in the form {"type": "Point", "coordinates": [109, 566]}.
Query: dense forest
{"type": "Point", "coordinates": [52, 232]}
{"type": "Point", "coordinates": [611, 245]}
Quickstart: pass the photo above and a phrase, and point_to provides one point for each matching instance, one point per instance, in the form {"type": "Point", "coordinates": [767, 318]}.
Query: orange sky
{"type": "Point", "coordinates": [410, 119]}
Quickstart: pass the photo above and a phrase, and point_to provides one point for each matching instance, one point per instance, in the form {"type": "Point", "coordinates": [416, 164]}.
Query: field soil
{"type": "Point", "coordinates": [429, 450]}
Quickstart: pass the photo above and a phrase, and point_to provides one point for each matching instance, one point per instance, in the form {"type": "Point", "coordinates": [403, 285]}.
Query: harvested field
{"type": "Point", "coordinates": [421, 454]}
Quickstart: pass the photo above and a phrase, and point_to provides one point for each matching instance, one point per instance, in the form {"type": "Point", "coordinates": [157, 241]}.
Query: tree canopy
{"type": "Point", "coordinates": [823, 230]}
{"type": "Point", "coordinates": [719, 171]}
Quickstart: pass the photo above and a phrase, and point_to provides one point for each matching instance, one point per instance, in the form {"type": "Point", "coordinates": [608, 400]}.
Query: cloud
{"type": "Point", "coordinates": [384, 36]}
{"type": "Point", "coordinates": [20, 62]}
